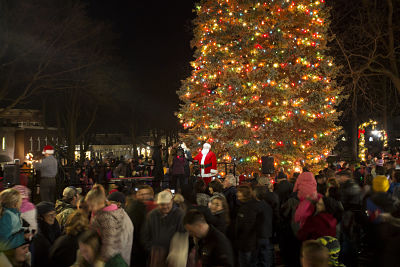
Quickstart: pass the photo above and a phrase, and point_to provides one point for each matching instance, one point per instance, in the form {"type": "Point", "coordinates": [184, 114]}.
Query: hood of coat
{"type": "Point", "coordinates": [112, 213]}
{"type": "Point", "coordinates": [62, 205]}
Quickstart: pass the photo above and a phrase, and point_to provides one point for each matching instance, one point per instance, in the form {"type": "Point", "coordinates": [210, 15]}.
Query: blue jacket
{"type": "Point", "coordinates": [11, 231]}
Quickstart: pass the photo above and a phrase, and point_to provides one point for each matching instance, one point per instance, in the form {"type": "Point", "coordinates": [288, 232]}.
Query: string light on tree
{"type": "Point", "coordinates": [380, 134]}
{"type": "Point", "coordinates": [261, 82]}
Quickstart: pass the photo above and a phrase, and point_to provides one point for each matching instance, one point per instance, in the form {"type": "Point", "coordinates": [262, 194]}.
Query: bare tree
{"type": "Point", "coordinates": [42, 48]}
{"type": "Point", "coordinates": [366, 44]}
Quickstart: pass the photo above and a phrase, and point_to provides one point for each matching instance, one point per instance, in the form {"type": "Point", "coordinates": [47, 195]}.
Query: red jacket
{"type": "Point", "coordinates": [322, 224]}
{"type": "Point", "coordinates": [208, 164]}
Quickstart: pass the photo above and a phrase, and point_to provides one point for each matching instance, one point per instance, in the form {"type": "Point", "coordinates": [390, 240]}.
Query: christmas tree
{"type": "Point", "coordinates": [261, 83]}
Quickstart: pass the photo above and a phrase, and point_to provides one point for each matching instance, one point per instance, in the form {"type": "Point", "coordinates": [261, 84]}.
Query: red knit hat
{"type": "Point", "coordinates": [48, 150]}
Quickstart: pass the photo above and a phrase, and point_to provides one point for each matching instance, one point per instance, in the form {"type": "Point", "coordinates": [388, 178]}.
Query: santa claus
{"type": "Point", "coordinates": [208, 163]}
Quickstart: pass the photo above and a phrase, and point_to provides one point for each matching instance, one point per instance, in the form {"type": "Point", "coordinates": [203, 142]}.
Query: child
{"type": "Point", "coordinates": [314, 254]}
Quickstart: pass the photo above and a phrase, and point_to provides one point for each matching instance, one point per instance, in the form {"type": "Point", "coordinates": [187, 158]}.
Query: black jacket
{"type": "Point", "coordinates": [217, 220]}
{"type": "Point", "coordinates": [264, 221]}
{"type": "Point", "coordinates": [63, 251]}
{"type": "Point", "coordinates": [350, 195]}
{"type": "Point", "coordinates": [283, 189]}
{"type": "Point", "coordinates": [42, 242]}
{"type": "Point", "coordinates": [158, 230]}
{"type": "Point", "coordinates": [215, 249]}
{"type": "Point", "coordinates": [136, 210]}
{"type": "Point", "coordinates": [272, 200]}
{"type": "Point", "coordinates": [246, 226]}
{"type": "Point", "coordinates": [231, 198]}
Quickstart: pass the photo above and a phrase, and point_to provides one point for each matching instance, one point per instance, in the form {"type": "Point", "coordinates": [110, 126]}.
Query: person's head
{"type": "Point", "coordinates": [117, 198]}
{"type": "Point", "coordinates": [89, 245]}
{"type": "Point", "coordinates": [96, 198]}
{"type": "Point", "coordinates": [200, 186]}
{"type": "Point", "coordinates": [23, 190]}
{"type": "Point", "coordinates": [329, 173]}
{"type": "Point", "coordinates": [396, 177]}
{"type": "Point", "coordinates": [48, 150]}
{"type": "Point", "coordinates": [380, 170]}
{"type": "Point", "coordinates": [230, 180]}
{"type": "Point", "coordinates": [18, 255]}
{"type": "Point", "coordinates": [321, 179]}
{"type": "Point", "coordinates": [320, 206]}
{"type": "Point", "coordinates": [179, 153]}
{"type": "Point", "coordinates": [215, 186]}
{"type": "Point", "coordinates": [244, 193]}
{"type": "Point", "coordinates": [46, 212]}
{"type": "Point", "coordinates": [81, 204]}
{"type": "Point", "coordinates": [260, 192]}
{"type": "Point", "coordinates": [145, 193]}
{"type": "Point", "coordinates": [344, 176]}
{"type": "Point", "coordinates": [165, 202]}
{"type": "Point", "coordinates": [195, 223]}
{"type": "Point", "coordinates": [333, 246]}
{"type": "Point", "coordinates": [11, 199]}
{"type": "Point", "coordinates": [314, 254]}
{"type": "Point", "coordinates": [77, 223]}
{"type": "Point", "coordinates": [70, 195]}
{"type": "Point", "coordinates": [281, 176]}
{"type": "Point", "coordinates": [217, 204]}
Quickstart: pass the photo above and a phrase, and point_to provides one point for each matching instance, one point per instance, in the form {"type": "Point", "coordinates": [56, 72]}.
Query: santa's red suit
{"type": "Point", "coordinates": [208, 163]}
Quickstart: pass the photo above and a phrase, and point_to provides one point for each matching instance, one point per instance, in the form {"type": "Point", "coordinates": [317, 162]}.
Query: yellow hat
{"type": "Point", "coordinates": [380, 184]}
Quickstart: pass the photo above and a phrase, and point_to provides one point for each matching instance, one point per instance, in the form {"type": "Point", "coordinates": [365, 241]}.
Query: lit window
{"type": "Point", "coordinates": [3, 143]}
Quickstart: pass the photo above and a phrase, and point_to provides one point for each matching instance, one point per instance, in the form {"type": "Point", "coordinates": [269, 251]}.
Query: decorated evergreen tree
{"type": "Point", "coordinates": [261, 83]}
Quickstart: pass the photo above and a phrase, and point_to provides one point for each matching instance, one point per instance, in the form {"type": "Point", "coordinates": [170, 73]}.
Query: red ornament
{"type": "Point", "coordinates": [360, 132]}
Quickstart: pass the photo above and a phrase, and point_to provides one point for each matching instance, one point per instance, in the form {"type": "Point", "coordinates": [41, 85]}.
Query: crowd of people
{"type": "Point", "coordinates": [344, 215]}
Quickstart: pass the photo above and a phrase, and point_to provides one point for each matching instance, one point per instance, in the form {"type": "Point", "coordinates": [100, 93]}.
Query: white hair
{"type": "Point", "coordinates": [231, 179]}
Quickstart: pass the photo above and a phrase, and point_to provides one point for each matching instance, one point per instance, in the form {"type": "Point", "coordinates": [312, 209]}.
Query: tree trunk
{"type": "Point", "coordinates": [354, 135]}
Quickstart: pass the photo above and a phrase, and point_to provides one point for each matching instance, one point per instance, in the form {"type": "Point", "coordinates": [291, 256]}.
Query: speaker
{"type": "Point", "coordinates": [11, 175]}
{"type": "Point", "coordinates": [267, 165]}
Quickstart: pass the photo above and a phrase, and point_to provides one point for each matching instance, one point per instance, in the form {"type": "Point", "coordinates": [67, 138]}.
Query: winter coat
{"type": "Point", "coordinates": [115, 261]}
{"type": "Point", "coordinates": [379, 203]}
{"type": "Point", "coordinates": [386, 251]}
{"type": "Point", "coordinates": [116, 231]}
{"type": "Point", "coordinates": [136, 210]}
{"type": "Point", "coordinates": [306, 186]}
{"type": "Point", "coordinates": [42, 243]}
{"type": "Point", "coordinates": [218, 220]}
{"type": "Point", "coordinates": [11, 231]}
{"type": "Point", "coordinates": [319, 225]}
{"type": "Point", "coordinates": [215, 249]}
{"type": "Point", "coordinates": [178, 165]}
{"type": "Point", "coordinates": [272, 200]}
{"type": "Point", "coordinates": [159, 229]}
{"type": "Point", "coordinates": [231, 199]}
{"type": "Point", "coordinates": [246, 226]}
{"type": "Point", "coordinates": [350, 195]}
{"type": "Point", "coordinates": [283, 189]}
{"type": "Point", "coordinates": [264, 221]}
{"type": "Point", "coordinates": [63, 209]}
{"type": "Point", "coordinates": [63, 251]}
{"type": "Point", "coordinates": [48, 166]}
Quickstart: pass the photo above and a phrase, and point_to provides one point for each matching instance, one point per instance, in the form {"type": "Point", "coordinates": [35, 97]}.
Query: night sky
{"type": "Point", "coordinates": [154, 43]}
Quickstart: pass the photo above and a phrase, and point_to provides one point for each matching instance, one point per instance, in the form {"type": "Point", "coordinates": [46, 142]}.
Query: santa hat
{"type": "Point", "coordinates": [48, 150]}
